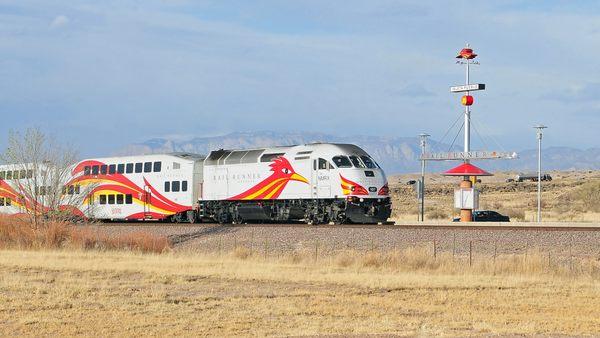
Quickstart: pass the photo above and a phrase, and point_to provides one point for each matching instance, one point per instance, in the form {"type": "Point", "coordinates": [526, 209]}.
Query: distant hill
{"type": "Point", "coordinates": [394, 154]}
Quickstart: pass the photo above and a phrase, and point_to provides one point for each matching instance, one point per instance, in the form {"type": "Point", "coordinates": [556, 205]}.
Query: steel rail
{"type": "Point", "coordinates": [361, 226]}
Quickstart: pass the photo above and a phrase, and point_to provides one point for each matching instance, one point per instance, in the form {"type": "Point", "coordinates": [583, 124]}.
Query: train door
{"type": "Point", "coordinates": [322, 173]}
{"type": "Point", "coordinates": [314, 186]}
{"type": "Point", "coordinates": [90, 205]}
{"type": "Point", "coordinates": [147, 201]}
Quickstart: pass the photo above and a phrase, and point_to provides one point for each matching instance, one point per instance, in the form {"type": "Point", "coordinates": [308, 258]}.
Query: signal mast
{"type": "Point", "coordinates": [466, 197]}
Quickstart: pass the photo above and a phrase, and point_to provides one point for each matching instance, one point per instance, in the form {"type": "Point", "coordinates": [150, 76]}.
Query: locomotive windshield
{"type": "Point", "coordinates": [368, 162]}
{"type": "Point", "coordinates": [357, 163]}
{"type": "Point", "coordinates": [342, 162]}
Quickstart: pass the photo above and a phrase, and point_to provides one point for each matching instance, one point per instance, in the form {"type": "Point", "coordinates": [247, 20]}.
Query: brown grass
{"type": "Point", "coordinates": [587, 196]}
{"type": "Point", "coordinates": [352, 293]}
{"type": "Point", "coordinates": [572, 196]}
{"type": "Point", "coordinates": [18, 232]}
{"type": "Point", "coordinates": [514, 213]}
{"type": "Point", "coordinates": [437, 214]}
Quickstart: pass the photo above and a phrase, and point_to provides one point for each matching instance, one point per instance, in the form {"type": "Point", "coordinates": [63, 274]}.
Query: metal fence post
{"type": "Point", "coordinates": [453, 244]}
{"type": "Point", "coordinates": [470, 253]}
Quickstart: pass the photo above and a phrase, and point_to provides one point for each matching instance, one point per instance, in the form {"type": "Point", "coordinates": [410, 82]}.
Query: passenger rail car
{"type": "Point", "coordinates": [147, 187]}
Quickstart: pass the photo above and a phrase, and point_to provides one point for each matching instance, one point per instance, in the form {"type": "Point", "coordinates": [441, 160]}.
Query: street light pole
{"type": "Point", "coordinates": [539, 128]}
{"type": "Point", "coordinates": [423, 137]}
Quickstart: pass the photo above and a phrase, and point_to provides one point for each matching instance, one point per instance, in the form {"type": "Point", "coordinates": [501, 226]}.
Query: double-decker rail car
{"type": "Point", "coordinates": [317, 183]}
{"type": "Point", "coordinates": [147, 187]}
{"type": "Point", "coordinates": [13, 198]}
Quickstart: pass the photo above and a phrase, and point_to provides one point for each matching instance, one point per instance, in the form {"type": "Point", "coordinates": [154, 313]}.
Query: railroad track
{"type": "Point", "coordinates": [494, 227]}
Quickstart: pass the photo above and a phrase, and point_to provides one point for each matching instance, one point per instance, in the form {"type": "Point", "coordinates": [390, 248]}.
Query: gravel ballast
{"type": "Point", "coordinates": [273, 239]}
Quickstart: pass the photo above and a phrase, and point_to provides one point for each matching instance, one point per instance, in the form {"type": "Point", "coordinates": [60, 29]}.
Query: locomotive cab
{"type": "Point", "coordinates": [354, 182]}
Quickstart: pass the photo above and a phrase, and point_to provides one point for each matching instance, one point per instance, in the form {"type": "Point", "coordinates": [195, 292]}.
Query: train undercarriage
{"type": "Point", "coordinates": [310, 211]}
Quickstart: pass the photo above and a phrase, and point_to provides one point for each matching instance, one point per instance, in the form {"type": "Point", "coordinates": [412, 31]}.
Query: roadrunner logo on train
{"type": "Point", "coordinates": [314, 183]}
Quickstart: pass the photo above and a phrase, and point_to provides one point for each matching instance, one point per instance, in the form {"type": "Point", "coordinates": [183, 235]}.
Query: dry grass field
{"type": "Point", "coordinates": [110, 293]}
{"type": "Point", "coordinates": [570, 197]}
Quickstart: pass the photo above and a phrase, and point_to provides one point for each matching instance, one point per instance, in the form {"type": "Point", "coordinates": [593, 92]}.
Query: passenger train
{"type": "Point", "coordinates": [315, 183]}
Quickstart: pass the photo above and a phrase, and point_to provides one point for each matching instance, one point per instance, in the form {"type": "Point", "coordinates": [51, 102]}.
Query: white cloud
{"type": "Point", "coordinates": [59, 21]}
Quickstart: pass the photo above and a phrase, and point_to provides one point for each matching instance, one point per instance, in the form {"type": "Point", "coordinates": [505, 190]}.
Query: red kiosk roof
{"type": "Point", "coordinates": [467, 169]}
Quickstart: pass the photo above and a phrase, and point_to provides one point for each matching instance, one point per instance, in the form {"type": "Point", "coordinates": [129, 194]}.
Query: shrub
{"type": "Point", "coordinates": [241, 252]}
{"type": "Point", "coordinates": [437, 214]}
{"type": "Point", "coordinates": [588, 194]}
{"type": "Point", "coordinates": [19, 232]}
{"type": "Point", "coordinates": [514, 214]}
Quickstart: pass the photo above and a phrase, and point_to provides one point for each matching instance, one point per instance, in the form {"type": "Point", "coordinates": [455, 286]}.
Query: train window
{"type": "Point", "coordinates": [157, 167]}
{"type": "Point", "coordinates": [368, 162]}
{"type": "Point", "coordinates": [23, 174]}
{"type": "Point", "coordinates": [1, 201]}
{"type": "Point", "coordinates": [175, 186]}
{"type": "Point", "coordinates": [112, 169]}
{"type": "Point", "coordinates": [30, 173]}
{"type": "Point", "coordinates": [176, 165]}
{"type": "Point", "coordinates": [7, 202]}
{"type": "Point", "coordinates": [2, 175]}
{"type": "Point", "coordinates": [129, 168]}
{"type": "Point", "coordinates": [102, 199]}
{"type": "Point", "coordinates": [77, 189]}
{"type": "Point", "coordinates": [111, 199]}
{"type": "Point", "coordinates": [120, 168]}
{"type": "Point", "coordinates": [184, 186]}
{"type": "Point", "coordinates": [270, 157]}
{"type": "Point", "coordinates": [71, 190]}
{"type": "Point", "coordinates": [357, 163]}
{"type": "Point", "coordinates": [95, 170]}
{"type": "Point", "coordinates": [138, 167]}
{"type": "Point", "coordinates": [103, 169]}
{"type": "Point", "coordinates": [167, 186]}
{"type": "Point", "coordinates": [86, 170]}
{"type": "Point", "coordinates": [128, 199]}
{"type": "Point", "coordinates": [323, 164]}
{"type": "Point", "coordinates": [342, 162]}
{"type": "Point", "coordinates": [15, 174]}
{"type": "Point", "coordinates": [9, 175]}
{"type": "Point", "coordinates": [120, 199]}
{"type": "Point", "coordinates": [147, 167]}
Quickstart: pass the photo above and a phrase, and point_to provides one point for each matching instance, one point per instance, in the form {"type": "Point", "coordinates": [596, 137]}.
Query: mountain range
{"type": "Point", "coordinates": [394, 154]}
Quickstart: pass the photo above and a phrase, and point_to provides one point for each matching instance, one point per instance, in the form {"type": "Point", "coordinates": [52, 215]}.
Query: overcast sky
{"type": "Point", "coordinates": [108, 73]}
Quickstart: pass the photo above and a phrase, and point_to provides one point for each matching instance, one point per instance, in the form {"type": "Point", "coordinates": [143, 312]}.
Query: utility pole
{"type": "Point", "coordinates": [423, 137]}
{"type": "Point", "coordinates": [539, 128]}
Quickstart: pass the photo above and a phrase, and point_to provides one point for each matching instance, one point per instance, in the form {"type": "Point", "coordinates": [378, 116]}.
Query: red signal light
{"type": "Point", "coordinates": [467, 100]}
